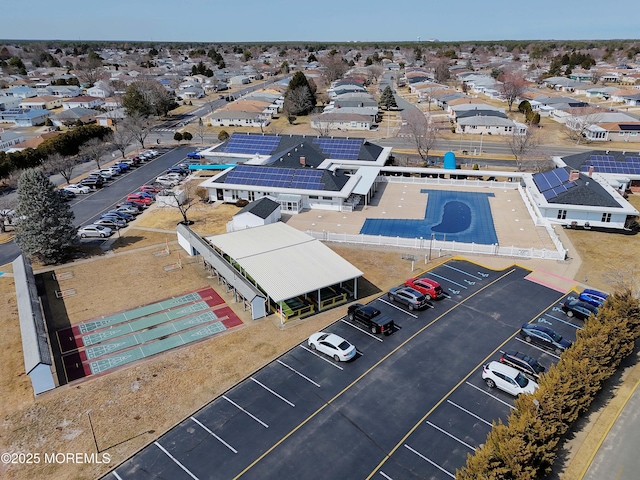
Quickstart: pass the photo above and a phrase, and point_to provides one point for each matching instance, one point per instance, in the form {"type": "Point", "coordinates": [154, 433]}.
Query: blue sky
{"type": "Point", "coordinates": [323, 21]}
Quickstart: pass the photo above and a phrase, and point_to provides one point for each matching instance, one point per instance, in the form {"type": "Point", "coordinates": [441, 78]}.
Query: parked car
{"type": "Point", "coordinates": [522, 362]}
{"type": "Point", "coordinates": [131, 162]}
{"type": "Point", "coordinates": [593, 297]}
{"type": "Point", "coordinates": [121, 216]}
{"type": "Point", "coordinates": [123, 166]}
{"type": "Point", "coordinates": [578, 309]}
{"type": "Point", "coordinates": [507, 379]}
{"type": "Point", "coordinates": [93, 182]}
{"type": "Point", "coordinates": [413, 299]}
{"type": "Point", "coordinates": [128, 209]}
{"type": "Point", "coordinates": [139, 206]}
{"type": "Point", "coordinates": [94, 231]}
{"type": "Point", "coordinates": [371, 318]}
{"type": "Point", "coordinates": [426, 286]}
{"type": "Point", "coordinates": [194, 155]}
{"type": "Point", "coordinates": [152, 189]}
{"type": "Point", "coordinates": [113, 223]}
{"type": "Point", "coordinates": [126, 216]}
{"type": "Point", "coordinates": [107, 173]}
{"type": "Point", "coordinates": [175, 175]}
{"type": "Point", "coordinates": [177, 169]}
{"type": "Point", "coordinates": [167, 181]}
{"type": "Point", "coordinates": [141, 197]}
{"type": "Point", "coordinates": [77, 189]}
{"type": "Point", "coordinates": [332, 345]}
{"type": "Point", "coordinates": [100, 175]}
{"type": "Point", "coordinates": [544, 337]}
{"type": "Point", "coordinates": [66, 195]}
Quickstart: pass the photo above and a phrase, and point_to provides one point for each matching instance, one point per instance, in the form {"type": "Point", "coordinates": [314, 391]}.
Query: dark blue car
{"type": "Point", "coordinates": [544, 337]}
{"type": "Point", "coordinates": [593, 297]}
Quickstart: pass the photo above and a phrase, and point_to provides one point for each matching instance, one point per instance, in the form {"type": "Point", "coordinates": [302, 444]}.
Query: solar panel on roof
{"type": "Point", "coordinates": [251, 144]}
{"type": "Point", "coordinates": [343, 148]}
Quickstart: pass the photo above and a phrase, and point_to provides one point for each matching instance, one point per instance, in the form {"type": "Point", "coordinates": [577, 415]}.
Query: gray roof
{"type": "Point", "coordinates": [587, 192]}
{"type": "Point", "coordinates": [261, 208]}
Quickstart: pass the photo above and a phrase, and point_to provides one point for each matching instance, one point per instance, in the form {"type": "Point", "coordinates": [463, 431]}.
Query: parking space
{"type": "Point", "coordinates": [412, 404]}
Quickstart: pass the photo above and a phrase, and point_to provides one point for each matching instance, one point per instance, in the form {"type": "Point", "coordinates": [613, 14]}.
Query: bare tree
{"type": "Point", "coordinates": [201, 130]}
{"type": "Point", "coordinates": [324, 123]}
{"type": "Point", "coordinates": [63, 164]}
{"type": "Point", "coordinates": [186, 197]}
{"type": "Point", "coordinates": [581, 119]}
{"type": "Point", "coordinates": [523, 147]}
{"type": "Point", "coordinates": [121, 138]}
{"type": "Point", "coordinates": [89, 70]}
{"type": "Point", "coordinates": [375, 72]}
{"type": "Point", "coordinates": [513, 85]}
{"type": "Point", "coordinates": [138, 126]}
{"type": "Point", "coordinates": [441, 72]}
{"type": "Point", "coordinates": [423, 131]}
{"type": "Point", "coordinates": [334, 67]}
{"type": "Point", "coordinates": [95, 149]}
{"type": "Point", "coordinates": [298, 100]}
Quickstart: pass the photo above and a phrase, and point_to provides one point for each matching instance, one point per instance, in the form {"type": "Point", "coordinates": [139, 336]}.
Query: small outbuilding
{"type": "Point", "coordinates": [261, 212]}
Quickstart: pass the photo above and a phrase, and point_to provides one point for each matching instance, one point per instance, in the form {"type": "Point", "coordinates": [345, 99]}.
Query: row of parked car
{"type": "Point", "coordinates": [516, 372]}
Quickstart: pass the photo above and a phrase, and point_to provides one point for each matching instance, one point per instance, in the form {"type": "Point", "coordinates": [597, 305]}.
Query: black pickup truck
{"type": "Point", "coordinates": [371, 318]}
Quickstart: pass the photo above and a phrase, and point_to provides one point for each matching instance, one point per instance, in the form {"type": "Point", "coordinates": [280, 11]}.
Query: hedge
{"type": "Point", "coordinates": [526, 447]}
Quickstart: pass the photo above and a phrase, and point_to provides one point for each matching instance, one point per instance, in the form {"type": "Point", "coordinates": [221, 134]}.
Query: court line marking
{"type": "Point", "coordinates": [470, 413]}
{"type": "Point", "coordinates": [462, 271]}
{"type": "Point", "coordinates": [213, 434]}
{"type": "Point", "coordinates": [361, 329]}
{"type": "Point", "coordinates": [369, 370]}
{"type": "Point", "coordinates": [297, 372]}
{"type": "Point", "coordinates": [271, 391]}
{"type": "Point", "coordinates": [243, 410]}
{"type": "Point", "coordinates": [313, 352]}
{"type": "Point", "coordinates": [176, 461]}
{"type": "Point", "coordinates": [450, 435]}
{"type": "Point", "coordinates": [492, 396]}
{"type": "Point", "coordinates": [430, 461]}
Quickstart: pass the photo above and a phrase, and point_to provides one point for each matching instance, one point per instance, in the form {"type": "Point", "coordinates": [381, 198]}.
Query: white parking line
{"type": "Point", "coordinates": [206, 429]}
{"type": "Point", "coordinates": [430, 461]}
{"type": "Point", "coordinates": [538, 348]}
{"type": "Point", "coordinates": [118, 477]}
{"type": "Point", "coordinates": [321, 357]}
{"type": "Point", "coordinates": [271, 391]}
{"type": "Point", "coordinates": [492, 396]}
{"type": "Point", "coordinates": [242, 409]}
{"type": "Point", "coordinates": [298, 373]}
{"type": "Point", "coordinates": [564, 321]}
{"type": "Point", "coordinates": [397, 307]}
{"type": "Point", "coordinates": [385, 475]}
{"type": "Point", "coordinates": [461, 271]}
{"type": "Point", "coordinates": [447, 280]}
{"type": "Point", "coordinates": [470, 413]}
{"type": "Point", "coordinates": [176, 461]}
{"type": "Point", "coordinates": [449, 435]}
{"type": "Point", "coordinates": [361, 329]}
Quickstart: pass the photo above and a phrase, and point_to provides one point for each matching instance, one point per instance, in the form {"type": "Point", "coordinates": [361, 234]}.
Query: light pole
{"type": "Point", "coordinates": [481, 142]}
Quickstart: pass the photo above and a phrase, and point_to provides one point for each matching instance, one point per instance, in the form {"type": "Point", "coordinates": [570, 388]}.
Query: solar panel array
{"type": "Point", "coordinates": [608, 164]}
{"type": "Point", "coordinates": [252, 144]}
{"type": "Point", "coordinates": [343, 148]}
{"type": "Point", "coordinates": [276, 177]}
{"type": "Point", "coordinates": [553, 183]}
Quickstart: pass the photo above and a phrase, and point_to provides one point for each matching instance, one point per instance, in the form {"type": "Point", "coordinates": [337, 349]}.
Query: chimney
{"type": "Point", "coordinates": [590, 171]}
{"type": "Point", "coordinates": [574, 175]}
{"type": "Point", "coordinates": [303, 161]}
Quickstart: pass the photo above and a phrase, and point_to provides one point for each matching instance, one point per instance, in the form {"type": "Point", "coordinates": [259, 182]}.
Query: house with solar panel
{"type": "Point", "coordinates": [586, 191]}
{"type": "Point", "coordinates": [300, 172]}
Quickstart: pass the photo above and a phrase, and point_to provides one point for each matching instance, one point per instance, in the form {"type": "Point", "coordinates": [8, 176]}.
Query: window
{"type": "Point", "coordinates": [252, 196]}
{"type": "Point", "coordinates": [634, 134]}
{"type": "Point", "coordinates": [606, 217]}
{"type": "Point", "coordinates": [313, 197]}
{"type": "Point", "coordinates": [621, 134]}
{"type": "Point", "coordinates": [327, 198]}
{"type": "Point", "coordinates": [234, 194]}
{"type": "Point", "coordinates": [562, 214]}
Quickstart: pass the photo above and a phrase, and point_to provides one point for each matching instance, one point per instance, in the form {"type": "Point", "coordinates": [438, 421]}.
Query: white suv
{"type": "Point", "coordinates": [507, 378]}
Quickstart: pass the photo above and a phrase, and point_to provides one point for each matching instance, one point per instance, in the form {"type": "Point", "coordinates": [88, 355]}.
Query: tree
{"type": "Point", "coordinates": [186, 198]}
{"type": "Point", "coordinates": [138, 126]}
{"type": "Point", "coordinates": [581, 119]}
{"type": "Point", "coordinates": [523, 146]}
{"type": "Point", "coordinates": [63, 164]}
{"type": "Point", "coordinates": [324, 123]}
{"type": "Point", "coordinates": [147, 98]}
{"type": "Point", "coordinates": [121, 139]}
{"type": "Point", "coordinates": [44, 229]}
{"type": "Point", "coordinates": [187, 137]}
{"type": "Point", "coordinates": [201, 131]}
{"type": "Point", "coordinates": [95, 149]}
{"type": "Point", "coordinates": [423, 131]}
{"type": "Point", "coordinates": [177, 137]}
{"type": "Point", "coordinates": [89, 69]}
{"type": "Point", "coordinates": [299, 98]}
{"type": "Point", "coordinates": [223, 136]}
{"type": "Point", "coordinates": [387, 99]}
{"type": "Point", "coordinates": [441, 72]}
{"type": "Point", "coordinates": [334, 67]}
{"type": "Point", "coordinates": [513, 85]}
{"type": "Point", "coordinates": [375, 71]}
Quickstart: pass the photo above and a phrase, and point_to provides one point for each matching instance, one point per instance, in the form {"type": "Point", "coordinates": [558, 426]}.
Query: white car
{"type": "Point", "coordinates": [106, 173]}
{"type": "Point", "coordinates": [94, 231]}
{"type": "Point", "coordinates": [75, 188]}
{"type": "Point", "coordinates": [333, 345]}
{"type": "Point", "coordinates": [167, 181]}
{"type": "Point", "coordinates": [507, 378]}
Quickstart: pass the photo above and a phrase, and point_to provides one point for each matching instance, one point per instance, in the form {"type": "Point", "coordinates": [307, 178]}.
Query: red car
{"type": "Point", "coordinates": [427, 287]}
{"type": "Point", "coordinates": [140, 197]}
{"type": "Point", "coordinates": [149, 189]}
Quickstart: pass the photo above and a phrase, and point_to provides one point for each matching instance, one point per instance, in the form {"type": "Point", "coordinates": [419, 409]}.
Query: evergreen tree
{"type": "Point", "coordinates": [387, 100]}
{"type": "Point", "coordinates": [299, 99]}
{"type": "Point", "coordinates": [45, 228]}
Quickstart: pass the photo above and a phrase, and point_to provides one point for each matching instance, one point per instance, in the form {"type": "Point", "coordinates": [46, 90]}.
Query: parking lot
{"type": "Point", "coordinates": [409, 405]}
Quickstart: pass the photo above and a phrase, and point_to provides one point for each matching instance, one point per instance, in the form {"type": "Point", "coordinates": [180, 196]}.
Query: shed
{"type": "Point", "coordinates": [263, 211]}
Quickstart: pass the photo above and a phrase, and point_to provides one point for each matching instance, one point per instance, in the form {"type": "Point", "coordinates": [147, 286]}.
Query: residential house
{"type": "Point", "coordinates": [64, 91]}
{"type": "Point", "coordinates": [263, 211]}
{"type": "Point", "coordinates": [45, 102]}
{"type": "Point", "coordinates": [20, 92]}
{"type": "Point", "coordinates": [9, 140]}
{"type": "Point", "coordinates": [111, 117]}
{"type": "Point", "coordinates": [239, 80]}
{"type": "Point", "coordinates": [100, 90]}
{"type": "Point", "coordinates": [70, 116]}
{"type": "Point", "coordinates": [614, 132]}
{"type": "Point", "coordinates": [8, 103]}
{"type": "Point", "coordinates": [83, 101]}
{"type": "Point", "coordinates": [342, 119]}
{"type": "Point", "coordinates": [489, 125]}
{"type": "Point", "coordinates": [25, 117]}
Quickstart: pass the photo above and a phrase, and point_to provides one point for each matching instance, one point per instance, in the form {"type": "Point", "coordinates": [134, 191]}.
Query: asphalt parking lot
{"type": "Point", "coordinates": [409, 405]}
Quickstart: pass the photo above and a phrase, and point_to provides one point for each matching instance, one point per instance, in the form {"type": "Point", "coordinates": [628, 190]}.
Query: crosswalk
{"type": "Point", "coordinates": [164, 129]}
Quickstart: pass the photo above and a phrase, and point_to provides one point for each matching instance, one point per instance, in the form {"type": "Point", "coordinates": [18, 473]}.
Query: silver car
{"type": "Point", "coordinates": [94, 231]}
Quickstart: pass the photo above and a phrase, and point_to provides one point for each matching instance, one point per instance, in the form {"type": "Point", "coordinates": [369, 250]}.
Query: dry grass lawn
{"type": "Point", "coordinates": [155, 394]}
